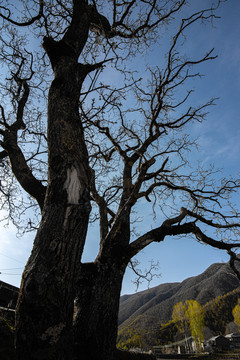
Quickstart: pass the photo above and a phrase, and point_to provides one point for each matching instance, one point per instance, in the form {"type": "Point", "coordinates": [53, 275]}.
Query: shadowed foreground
{"type": "Point", "coordinates": [7, 351]}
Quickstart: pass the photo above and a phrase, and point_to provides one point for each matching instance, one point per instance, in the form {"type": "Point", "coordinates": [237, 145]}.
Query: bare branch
{"type": "Point", "coordinates": [168, 227]}
{"type": "Point", "coordinates": [10, 143]}
{"type": "Point", "coordinates": [211, 223]}
{"type": "Point", "coordinates": [25, 23]}
{"type": "Point", "coordinates": [148, 23]}
{"type": "Point", "coordinates": [147, 275]}
{"type": "Point", "coordinates": [214, 243]}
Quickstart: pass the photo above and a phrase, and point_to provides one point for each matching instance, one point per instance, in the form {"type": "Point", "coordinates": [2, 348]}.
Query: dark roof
{"type": "Point", "coordinates": [218, 338]}
{"type": "Point", "coordinates": [8, 295]}
{"type": "Point", "coordinates": [233, 335]}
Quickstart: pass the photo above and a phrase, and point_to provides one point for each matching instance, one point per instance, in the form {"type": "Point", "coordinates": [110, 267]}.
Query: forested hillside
{"type": "Point", "coordinates": [145, 317]}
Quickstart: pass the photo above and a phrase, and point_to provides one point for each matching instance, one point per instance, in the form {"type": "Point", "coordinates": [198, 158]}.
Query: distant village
{"type": "Point", "coordinates": [188, 346]}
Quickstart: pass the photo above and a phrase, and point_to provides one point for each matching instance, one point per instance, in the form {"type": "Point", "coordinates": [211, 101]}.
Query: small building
{"type": "Point", "coordinates": [185, 346]}
{"type": "Point", "coordinates": [219, 343]}
{"type": "Point", "coordinates": [8, 295]}
{"type": "Point", "coordinates": [234, 339]}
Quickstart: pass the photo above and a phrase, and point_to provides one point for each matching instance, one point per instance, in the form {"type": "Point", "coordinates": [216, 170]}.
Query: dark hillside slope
{"type": "Point", "coordinates": [138, 303]}
{"type": "Point", "coordinates": [150, 308]}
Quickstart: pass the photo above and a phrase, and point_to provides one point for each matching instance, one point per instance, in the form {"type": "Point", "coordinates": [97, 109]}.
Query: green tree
{"type": "Point", "coordinates": [236, 314]}
{"type": "Point", "coordinates": [219, 312]}
{"type": "Point", "coordinates": [195, 315]}
{"type": "Point", "coordinates": [132, 338]}
{"type": "Point", "coordinates": [180, 318]}
{"type": "Point", "coordinates": [166, 333]}
{"type": "Point", "coordinates": [190, 316]}
{"type": "Point", "coordinates": [84, 136]}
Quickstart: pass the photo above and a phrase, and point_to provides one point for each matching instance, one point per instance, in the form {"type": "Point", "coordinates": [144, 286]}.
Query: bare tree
{"type": "Point", "coordinates": [106, 148]}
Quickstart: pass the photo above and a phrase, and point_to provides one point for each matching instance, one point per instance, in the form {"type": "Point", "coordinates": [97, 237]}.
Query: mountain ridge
{"type": "Point", "coordinates": [150, 308]}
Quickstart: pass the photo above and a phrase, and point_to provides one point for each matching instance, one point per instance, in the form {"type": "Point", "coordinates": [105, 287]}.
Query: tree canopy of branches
{"type": "Point", "coordinates": [84, 137]}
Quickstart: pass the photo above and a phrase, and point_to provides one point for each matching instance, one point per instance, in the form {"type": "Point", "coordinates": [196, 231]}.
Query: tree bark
{"type": "Point", "coordinates": [96, 320]}
{"type": "Point", "coordinates": [45, 305]}
{"type": "Point", "coordinates": [98, 294]}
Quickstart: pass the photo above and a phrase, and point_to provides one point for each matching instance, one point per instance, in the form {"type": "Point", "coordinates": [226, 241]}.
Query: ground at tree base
{"type": "Point", "coordinates": [130, 355]}
{"type": "Point", "coordinates": [7, 351]}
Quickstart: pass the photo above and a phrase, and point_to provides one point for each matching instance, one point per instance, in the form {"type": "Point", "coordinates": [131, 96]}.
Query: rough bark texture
{"type": "Point", "coordinates": [45, 305]}
{"type": "Point", "coordinates": [98, 295]}
{"type": "Point", "coordinates": [97, 315]}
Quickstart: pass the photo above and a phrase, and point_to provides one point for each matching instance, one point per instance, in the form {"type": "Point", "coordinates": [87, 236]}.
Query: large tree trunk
{"type": "Point", "coordinates": [96, 320]}
{"type": "Point", "coordinates": [45, 306]}
{"type": "Point", "coordinates": [98, 294]}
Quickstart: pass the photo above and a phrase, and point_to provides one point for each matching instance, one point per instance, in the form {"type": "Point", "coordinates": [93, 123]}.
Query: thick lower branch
{"type": "Point", "coordinates": [3, 154]}
{"type": "Point", "coordinates": [169, 229]}
{"type": "Point", "coordinates": [158, 235]}
{"type": "Point", "coordinates": [23, 173]}
{"type": "Point", "coordinates": [214, 243]}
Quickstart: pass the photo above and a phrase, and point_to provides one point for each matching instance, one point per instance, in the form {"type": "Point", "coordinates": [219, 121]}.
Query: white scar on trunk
{"type": "Point", "coordinates": [73, 186]}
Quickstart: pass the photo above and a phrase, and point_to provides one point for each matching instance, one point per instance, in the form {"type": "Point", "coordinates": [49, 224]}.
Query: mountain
{"type": "Point", "coordinates": [147, 310]}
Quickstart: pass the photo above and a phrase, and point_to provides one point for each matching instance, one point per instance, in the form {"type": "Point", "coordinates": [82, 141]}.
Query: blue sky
{"type": "Point", "coordinates": [219, 144]}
